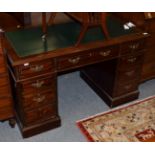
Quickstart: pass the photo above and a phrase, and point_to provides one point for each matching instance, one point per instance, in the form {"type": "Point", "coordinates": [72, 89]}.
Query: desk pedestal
{"type": "Point", "coordinates": [112, 102]}
{"type": "Point", "coordinates": [113, 82]}
{"type": "Point", "coordinates": [39, 127]}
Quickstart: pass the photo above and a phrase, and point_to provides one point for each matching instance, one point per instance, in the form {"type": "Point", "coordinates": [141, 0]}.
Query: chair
{"type": "Point", "coordinates": [87, 19]}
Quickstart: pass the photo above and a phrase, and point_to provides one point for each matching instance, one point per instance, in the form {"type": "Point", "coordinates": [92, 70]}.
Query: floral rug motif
{"type": "Point", "coordinates": [132, 123]}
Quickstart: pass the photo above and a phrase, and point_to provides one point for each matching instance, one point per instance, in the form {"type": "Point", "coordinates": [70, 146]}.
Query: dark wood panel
{"type": "Point", "coordinates": [132, 47]}
{"type": "Point", "coordinates": [130, 61]}
{"type": "Point", "coordinates": [6, 105]}
{"type": "Point", "coordinates": [145, 21]}
{"type": "Point", "coordinates": [14, 20]}
{"type": "Point", "coordinates": [87, 58]}
{"type": "Point", "coordinates": [41, 114]}
{"type": "Point", "coordinates": [129, 75]}
{"type": "Point", "coordinates": [36, 100]}
{"type": "Point", "coordinates": [6, 108]}
{"type": "Point", "coordinates": [38, 85]}
{"type": "Point", "coordinates": [35, 68]}
{"type": "Point", "coordinates": [124, 88]}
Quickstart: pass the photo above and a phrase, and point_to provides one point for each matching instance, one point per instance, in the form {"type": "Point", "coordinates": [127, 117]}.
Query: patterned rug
{"type": "Point", "coordinates": [130, 123]}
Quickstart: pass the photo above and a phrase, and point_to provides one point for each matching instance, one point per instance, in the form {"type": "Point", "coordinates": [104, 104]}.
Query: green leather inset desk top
{"type": "Point", "coordinates": [28, 42]}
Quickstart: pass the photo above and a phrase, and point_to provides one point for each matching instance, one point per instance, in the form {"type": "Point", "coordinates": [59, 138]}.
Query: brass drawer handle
{"type": "Point", "coordinates": [127, 87]}
{"type": "Point", "coordinates": [38, 84]}
{"type": "Point", "coordinates": [106, 53]}
{"type": "Point", "coordinates": [131, 60]}
{"type": "Point", "coordinates": [37, 68]}
{"type": "Point", "coordinates": [130, 73]}
{"type": "Point", "coordinates": [134, 46]}
{"type": "Point", "coordinates": [74, 60]}
{"type": "Point", "coordinates": [18, 26]}
{"type": "Point", "coordinates": [39, 99]}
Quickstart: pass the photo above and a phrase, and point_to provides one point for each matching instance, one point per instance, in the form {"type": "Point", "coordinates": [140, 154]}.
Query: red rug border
{"type": "Point", "coordinates": [84, 131]}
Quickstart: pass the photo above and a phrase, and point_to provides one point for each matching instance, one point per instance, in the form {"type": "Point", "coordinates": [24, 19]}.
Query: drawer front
{"type": "Point", "coordinates": [132, 47]}
{"type": "Point", "coordinates": [40, 114]}
{"type": "Point", "coordinates": [36, 68]}
{"type": "Point", "coordinates": [130, 62]}
{"type": "Point", "coordinates": [125, 88]}
{"type": "Point", "coordinates": [106, 53]}
{"type": "Point", "coordinates": [36, 100]}
{"type": "Point", "coordinates": [74, 60]}
{"type": "Point", "coordinates": [88, 57]}
{"type": "Point", "coordinates": [129, 75]}
{"type": "Point", "coordinates": [39, 85]}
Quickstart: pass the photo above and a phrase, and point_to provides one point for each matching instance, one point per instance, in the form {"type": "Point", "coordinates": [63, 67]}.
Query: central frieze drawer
{"type": "Point", "coordinates": [106, 53]}
{"type": "Point", "coordinates": [74, 60]}
{"type": "Point", "coordinates": [35, 68]}
{"type": "Point", "coordinates": [87, 57]}
{"type": "Point", "coordinates": [39, 85]}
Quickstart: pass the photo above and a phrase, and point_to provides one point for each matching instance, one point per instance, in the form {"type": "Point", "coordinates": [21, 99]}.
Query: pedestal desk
{"type": "Point", "coordinates": [111, 67]}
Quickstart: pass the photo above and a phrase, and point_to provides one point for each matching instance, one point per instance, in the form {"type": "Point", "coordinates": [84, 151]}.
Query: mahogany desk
{"type": "Point", "coordinates": [111, 67]}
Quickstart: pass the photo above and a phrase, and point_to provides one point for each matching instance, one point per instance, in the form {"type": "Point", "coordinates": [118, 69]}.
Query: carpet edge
{"type": "Point", "coordinates": [84, 131]}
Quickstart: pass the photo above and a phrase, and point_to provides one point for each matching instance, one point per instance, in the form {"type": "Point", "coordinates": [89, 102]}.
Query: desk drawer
{"type": "Point", "coordinates": [125, 88]}
{"type": "Point", "coordinates": [74, 60]}
{"type": "Point", "coordinates": [40, 114]}
{"type": "Point", "coordinates": [130, 62]}
{"type": "Point", "coordinates": [129, 75]}
{"type": "Point", "coordinates": [39, 99]}
{"type": "Point", "coordinates": [87, 57]}
{"type": "Point", "coordinates": [106, 53]}
{"type": "Point", "coordinates": [36, 68]}
{"type": "Point", "coordinates": [132, 46]}
{"type": "Point", "coordinates": [39, 85]}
